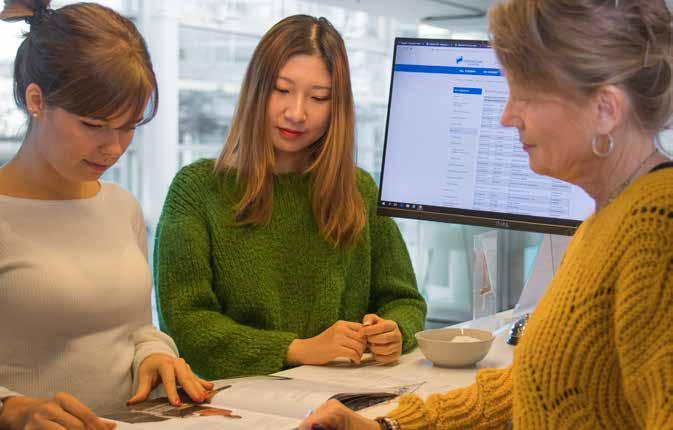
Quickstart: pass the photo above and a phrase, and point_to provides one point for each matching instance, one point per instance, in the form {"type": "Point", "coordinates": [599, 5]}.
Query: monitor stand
{"type": "Point", "coordinates": [546, 263]}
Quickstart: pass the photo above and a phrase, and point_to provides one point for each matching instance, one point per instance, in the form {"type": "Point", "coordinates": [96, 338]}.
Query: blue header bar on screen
{"type": "Point", "coordinates": [461, 90]}
{"type": "Point", "coordinates": [444, 70]}
{"type": "Point", "coordinates": [444, 43]}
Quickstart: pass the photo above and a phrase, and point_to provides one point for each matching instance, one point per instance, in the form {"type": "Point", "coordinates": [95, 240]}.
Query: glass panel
{"type": "Point", "coordinates": [205, 117]}
{"type": "Point", "coordinates": [12, 120]}
{"type": "Point", "coordinates": [221, 13]}
{"type": "Point", "coordinates": [215, 57]}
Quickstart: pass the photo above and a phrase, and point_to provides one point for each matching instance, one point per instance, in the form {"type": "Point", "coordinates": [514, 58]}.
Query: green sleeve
{"type": "Point", "coordinates": [394, 293]}
{"type": "Point", "coordinates": [215, 345]}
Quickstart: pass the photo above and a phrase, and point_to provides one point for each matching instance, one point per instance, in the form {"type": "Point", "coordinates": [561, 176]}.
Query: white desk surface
{"type": "Point", "coordinates": [414, 367]}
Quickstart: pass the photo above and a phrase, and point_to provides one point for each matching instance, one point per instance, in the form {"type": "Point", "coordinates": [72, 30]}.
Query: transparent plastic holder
{"type": "Point", "coordinates": [484, 274]}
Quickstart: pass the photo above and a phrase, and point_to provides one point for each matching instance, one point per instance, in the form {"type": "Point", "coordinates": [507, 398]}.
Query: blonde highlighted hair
{"type": "Point", "coordinates": [575, 47]}
{"type": "Point", "coordinates": [337, 205]}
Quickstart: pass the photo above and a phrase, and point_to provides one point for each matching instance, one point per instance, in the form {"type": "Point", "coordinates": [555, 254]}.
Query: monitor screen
{"type": "Point", "coordinates": [446, 156]}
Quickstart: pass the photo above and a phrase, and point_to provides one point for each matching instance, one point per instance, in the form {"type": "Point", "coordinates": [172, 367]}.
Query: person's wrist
{"type": "Point", "coordinates": [13, 410]}
{"type": "Point", "coordinates": [387, 423]}
{"type": "Point", "coordinates": [296, 352]}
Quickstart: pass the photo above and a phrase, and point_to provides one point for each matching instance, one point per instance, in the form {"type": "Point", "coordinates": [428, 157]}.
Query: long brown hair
{"type": "Point", "coordinates": [578, 46]}
{"type": "Point", "coordinates": [86, 58]}
{"type": "Point", "coordinates": [337, 205]}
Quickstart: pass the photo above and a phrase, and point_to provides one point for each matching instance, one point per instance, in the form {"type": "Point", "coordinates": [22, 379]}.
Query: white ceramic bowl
{"type": "Point", "coordinates": [437, 346]}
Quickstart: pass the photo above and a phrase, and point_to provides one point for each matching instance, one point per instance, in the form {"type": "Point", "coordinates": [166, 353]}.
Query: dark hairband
{"type": "Point", "coordinates": [40, 15]}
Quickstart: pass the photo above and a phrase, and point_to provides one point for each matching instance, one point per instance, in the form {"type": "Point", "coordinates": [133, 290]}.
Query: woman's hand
{"type": "Point", "coordinates": [342, 339]}
{"type": "Point", "coordinates": [332, 415]}
{"type": "Point", "coordinates": [63, 411]}
{"type": "Point", "coordinates": [384, 338]}
{"type": "Point", "coordinates": [164, 368]}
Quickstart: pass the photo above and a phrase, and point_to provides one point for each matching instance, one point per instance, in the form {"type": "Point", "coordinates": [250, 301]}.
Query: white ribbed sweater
{"type": "Point", "coordinates": [75, 297]}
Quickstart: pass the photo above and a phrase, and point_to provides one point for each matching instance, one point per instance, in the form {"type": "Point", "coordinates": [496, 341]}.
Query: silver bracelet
{"type": "Point", "coordinates": [388, 423]}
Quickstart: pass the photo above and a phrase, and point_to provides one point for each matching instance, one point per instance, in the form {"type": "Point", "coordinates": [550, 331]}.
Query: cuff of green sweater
{"type": "Point", "coordinates": [410, 413]}
{"type": "Point", "coordinates": [408, 323]}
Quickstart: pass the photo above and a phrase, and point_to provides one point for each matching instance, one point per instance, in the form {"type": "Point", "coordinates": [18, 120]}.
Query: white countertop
{"type": "Point", "coordinates": [414, 367]}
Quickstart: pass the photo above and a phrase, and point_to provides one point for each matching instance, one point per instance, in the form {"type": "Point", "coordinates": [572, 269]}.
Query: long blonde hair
{"type": "Point", "coordinates": [337, 205]}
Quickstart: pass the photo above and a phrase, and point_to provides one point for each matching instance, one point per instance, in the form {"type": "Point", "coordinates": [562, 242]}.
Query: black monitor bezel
{"type": "Point", "coordinates": [559, 226]}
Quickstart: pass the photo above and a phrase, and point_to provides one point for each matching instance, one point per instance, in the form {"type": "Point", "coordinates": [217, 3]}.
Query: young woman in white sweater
{"type": "Point", "coordinates": [76, 337]}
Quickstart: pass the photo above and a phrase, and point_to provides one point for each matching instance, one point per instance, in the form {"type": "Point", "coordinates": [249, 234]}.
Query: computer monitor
{"type": "Point", "coordinates": [447, 158]}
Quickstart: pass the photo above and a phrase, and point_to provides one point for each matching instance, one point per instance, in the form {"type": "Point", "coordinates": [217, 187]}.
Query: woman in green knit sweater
{"type": "Point", "coordinates": [273, 255]}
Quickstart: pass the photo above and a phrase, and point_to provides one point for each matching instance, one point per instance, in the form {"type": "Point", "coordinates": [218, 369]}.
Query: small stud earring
{"type": "Point", "coordinates": [34, 114]}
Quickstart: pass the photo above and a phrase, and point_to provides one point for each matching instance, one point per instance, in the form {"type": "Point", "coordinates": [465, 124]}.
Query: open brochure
{"type": "Point", "coordinates": [257, 402]}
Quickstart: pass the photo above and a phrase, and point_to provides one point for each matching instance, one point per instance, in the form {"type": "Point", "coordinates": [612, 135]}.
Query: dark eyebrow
{"type": "Point", "coordinates": [315, 87]}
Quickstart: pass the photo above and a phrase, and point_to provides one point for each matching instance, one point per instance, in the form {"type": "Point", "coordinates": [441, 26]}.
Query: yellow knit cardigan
{"type": "Point", "coordinates": [598, 350]}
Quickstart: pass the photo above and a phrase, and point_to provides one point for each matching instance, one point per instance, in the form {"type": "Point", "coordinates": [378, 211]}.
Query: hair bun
{"type": "Point", "coordinates": [22, 10]}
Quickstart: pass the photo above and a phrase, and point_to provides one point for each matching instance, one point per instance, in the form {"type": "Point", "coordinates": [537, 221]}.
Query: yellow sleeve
{"type": "Point", "coordinates": [643, 322]}
{"type": "Point", "coordinates": [486, 404]}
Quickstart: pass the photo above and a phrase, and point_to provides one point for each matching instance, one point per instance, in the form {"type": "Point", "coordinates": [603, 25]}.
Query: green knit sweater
{"type": "Point", "coordinates": [234, 298]}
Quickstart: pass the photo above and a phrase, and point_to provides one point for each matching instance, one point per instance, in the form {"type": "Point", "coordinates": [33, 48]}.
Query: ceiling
{"type": "Point", "coordinates": [441, 13]}
{"type": "Point", "coordinates": [449, 14]}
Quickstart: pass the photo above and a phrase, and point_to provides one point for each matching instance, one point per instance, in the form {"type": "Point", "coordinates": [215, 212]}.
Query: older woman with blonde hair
{"type": "Point", "coordinates": [273, 255]}
{"type": "Point", "coordinates": [590, 91]}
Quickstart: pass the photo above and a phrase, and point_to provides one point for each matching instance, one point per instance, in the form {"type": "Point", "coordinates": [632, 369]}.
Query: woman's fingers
{"type": "Point", "coordinates": [353, 326]}
{"type": "Point", "coordinates": [43, 423]}
{"type": "Point", "coordinates": [382, 326]}
{"type": "Point", "coordinates": [53, 414]}
{"type": "Point", "coordinates": [385, 338]}
{"type": "Point", "coordinates": [167, 374]}
{"type": "Point", "coordinates": [189, 382]}
{"type": "Point", "coordinates": [194, 389]}
{"type": "Point", "coordinates": [332, 415]}
{"type": "Point", "coordinates": [62, 411]}
{"type": "Point", "coordinates": [386, 359]}
{"type": "Point", "coordinates": [388, 349]}
{"type": "Point", "coordinates": [349, 354]}
{"type": "Point", "coordinates": [358, 347]}
{"type": "Point", "coordinates": [206, 384]}
{"type": "Point", "coordinates": [355, 335]}
{"type": "Point", "coordinates": [350, 330]}
{"type": "Point", "coordinates": [70, 405]}
{"type": "Point", "coordinates": [144, 388]}
{"type": "Point", "coordinates": [371, 319]}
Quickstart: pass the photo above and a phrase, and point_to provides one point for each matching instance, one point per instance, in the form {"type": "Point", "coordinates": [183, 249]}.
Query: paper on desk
{"type": "Point", "coordinates": [291, 398]}
{"type": "Point", "coordinates": [372, 377]}
{"type": "Point", "coordinates": [275, 400]}
{"type": "Point", "coordinates": [249, 420]}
